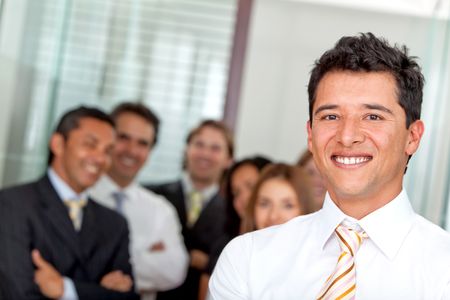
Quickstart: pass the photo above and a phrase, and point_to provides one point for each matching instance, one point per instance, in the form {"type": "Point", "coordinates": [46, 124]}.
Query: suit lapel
{"type": "Point", "coordinates": [181, 202]}
{"type": "Point", "coordinates": [206, 211]}
{"type": "Point", "coordinates": [58, 216]}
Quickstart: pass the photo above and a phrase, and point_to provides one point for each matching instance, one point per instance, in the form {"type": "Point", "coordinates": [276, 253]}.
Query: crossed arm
{"type": "Point", "coordinates": [29, 275]}
{"type": "Point", "coordinates": [51, 283]}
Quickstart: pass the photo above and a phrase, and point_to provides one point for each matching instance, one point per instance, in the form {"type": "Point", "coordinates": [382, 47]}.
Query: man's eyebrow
{"type": "Point", "coordinates": [378, 107]}
{"type": "Point", "coordinates": [325, 107]}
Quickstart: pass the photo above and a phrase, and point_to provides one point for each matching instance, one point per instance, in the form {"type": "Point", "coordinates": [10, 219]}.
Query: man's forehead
{"type": "Point", "coordinates": [90, 123]}
{"type": "Point", "coordinates": [95, 129]}
{"type": "Point", "coordinates": [129, 115]}
{"type": "Point", "coordinates": [209, 133]}
{"type": "Point", "coordinates": [344, 74]}
{"type": "Point", "coordinates": [367, 84]}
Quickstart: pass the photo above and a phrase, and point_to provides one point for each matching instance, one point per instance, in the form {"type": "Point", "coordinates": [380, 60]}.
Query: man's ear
{"type": "Point", "coordinates": [416, 130]}
{"type": "Point", "coordinates": [309, 130]}
{"type": "Point", "coordinates": [57, 144]}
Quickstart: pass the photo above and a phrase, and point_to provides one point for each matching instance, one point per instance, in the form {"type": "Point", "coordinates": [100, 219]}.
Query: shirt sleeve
{"type": "Point", "coordinates": [230, 277]}
{"type": "Point", "coordinates": [161, 269]}
{"type": "Point", "coordinates": [70, 293]}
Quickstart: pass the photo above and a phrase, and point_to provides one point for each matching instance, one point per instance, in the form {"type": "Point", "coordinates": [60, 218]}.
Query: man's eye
{"type": "Point", "coordinates": [89, 144]}
{"type": "Point", "coordinates": [123, 137]}
{"type": "Point", "coordinates": [329, 117]}
{"type": "Point", "coordinates": [373, 117]}
{"type": "Point", "coordinates": [199, 144]}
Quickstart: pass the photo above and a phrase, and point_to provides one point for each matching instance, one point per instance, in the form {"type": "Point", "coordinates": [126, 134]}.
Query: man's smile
{"type": "Point", "coordinates": [351, 160]}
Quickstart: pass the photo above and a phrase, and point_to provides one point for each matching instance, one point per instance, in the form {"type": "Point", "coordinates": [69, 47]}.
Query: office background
{"type": "Point", "coordinates": [245, 61]}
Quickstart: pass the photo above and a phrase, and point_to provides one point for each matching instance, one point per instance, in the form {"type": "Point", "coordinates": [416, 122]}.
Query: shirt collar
{"type": "Point", "coordinates": [386, 227]}
{"type": "Point", "coordinates": [64, 191]}
{"type": "Point", "coordinates": [330, 217]}
{"type": "Point", "coordinates": [109, 186]}
{"type": "Point", "coordinates": [188, 187]}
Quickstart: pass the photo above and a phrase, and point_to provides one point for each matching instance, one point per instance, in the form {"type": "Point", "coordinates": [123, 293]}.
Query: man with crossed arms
{"type": "Point", "coordinates": [55, 241]}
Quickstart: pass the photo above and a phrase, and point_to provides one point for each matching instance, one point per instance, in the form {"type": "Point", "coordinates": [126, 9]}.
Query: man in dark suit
{"type": "Point", "coordinates": [201, 209]}
{"type": "Point", "coordinates": [55, 242]}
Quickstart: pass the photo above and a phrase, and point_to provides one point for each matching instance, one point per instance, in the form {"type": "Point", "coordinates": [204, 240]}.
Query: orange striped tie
{"type": "Point", "coordinates": [341, 285]}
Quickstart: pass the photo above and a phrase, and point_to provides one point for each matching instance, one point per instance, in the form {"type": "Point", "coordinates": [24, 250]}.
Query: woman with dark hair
{"type": "Point", "coordinates": [239, 183]}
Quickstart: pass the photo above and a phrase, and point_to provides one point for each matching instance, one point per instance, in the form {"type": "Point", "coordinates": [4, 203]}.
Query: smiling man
{"type": "Point", "coordinates": [366, 242]}
{"type": "Point", "coordinates": [55, 242]}
{"type": "Point", "coordinates": [158, 255]}
{"type": "Point", "coordinates": [201, 209]}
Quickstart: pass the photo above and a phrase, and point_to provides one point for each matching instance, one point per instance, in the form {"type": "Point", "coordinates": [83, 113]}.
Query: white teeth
{"type": "Point", "coordinates": [92, 169]}
{"type": "Point", "coordinates": [128, 161]}
{"type": "Point", "coordinates": [351, 160]}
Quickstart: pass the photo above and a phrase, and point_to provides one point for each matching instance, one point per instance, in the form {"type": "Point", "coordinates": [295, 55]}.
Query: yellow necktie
{"type": "Point", "coordinates": [341, 285]}
{"type": "Point", "coordinates": [75, 208]}
{"type": "Point", "coordinates": [195, 207]}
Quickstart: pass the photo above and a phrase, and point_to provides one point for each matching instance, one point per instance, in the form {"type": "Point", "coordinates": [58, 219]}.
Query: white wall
{"type": "Point", "coordinates": [285, 39]}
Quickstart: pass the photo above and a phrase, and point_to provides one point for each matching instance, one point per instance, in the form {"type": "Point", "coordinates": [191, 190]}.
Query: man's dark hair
{"type": "Point", "coordinates": [140, 110]}
{"type": "Point", "coordinates": [71, 120]}
{"type": "Point", "coordinates": [218, 125]}
{"type": "Point", "coordinates": [367, 53]}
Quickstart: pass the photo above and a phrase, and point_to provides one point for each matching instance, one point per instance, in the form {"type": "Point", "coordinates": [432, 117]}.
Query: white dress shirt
{"type": "Point", "coordinates": [152, 219]}
{"type": "Point", "coordinates": [405, 257]}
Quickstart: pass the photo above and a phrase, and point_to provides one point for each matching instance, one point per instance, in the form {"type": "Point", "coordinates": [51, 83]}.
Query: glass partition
{"type": "Point", "coordinates": [173, 55]}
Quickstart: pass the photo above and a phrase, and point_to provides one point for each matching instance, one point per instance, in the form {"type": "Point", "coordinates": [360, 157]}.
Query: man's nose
{"type": "Point", "coordinates": [349, 132]}
{"type": "Point", "coordinates": [100, 156]}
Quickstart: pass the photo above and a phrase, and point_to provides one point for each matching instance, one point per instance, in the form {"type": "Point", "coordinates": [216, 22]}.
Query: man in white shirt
{"type": "Point", "coordinates": [366, 243]}
{"type": "Point", "coordinates": [158, 254]}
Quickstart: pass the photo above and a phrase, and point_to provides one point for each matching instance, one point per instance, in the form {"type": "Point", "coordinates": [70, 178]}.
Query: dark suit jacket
{"type": "Point", "coordinates": [32, 216]}
{"type": "Point", "coordinates": [202, 236]}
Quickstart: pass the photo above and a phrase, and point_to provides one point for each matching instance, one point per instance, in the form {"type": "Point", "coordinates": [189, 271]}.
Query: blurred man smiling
{"type": "Point", "coordinates": [158, 255]}
{"type": "Point", "coordinates": [201, 209]}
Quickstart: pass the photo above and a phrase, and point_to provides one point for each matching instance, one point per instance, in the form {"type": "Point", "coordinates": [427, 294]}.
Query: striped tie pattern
{"type": "Point", "coordinates": [341, 285]}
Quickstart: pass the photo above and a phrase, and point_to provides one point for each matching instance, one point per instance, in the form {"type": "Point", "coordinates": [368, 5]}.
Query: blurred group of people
{"type": "Point", "coordinates": [88, 230]}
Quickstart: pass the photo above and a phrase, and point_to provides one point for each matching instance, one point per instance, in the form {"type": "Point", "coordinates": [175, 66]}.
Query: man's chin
{"type": "Point", "coordinates": [204, 178]}
{"type": "Point", "coordinates": [350, 191]}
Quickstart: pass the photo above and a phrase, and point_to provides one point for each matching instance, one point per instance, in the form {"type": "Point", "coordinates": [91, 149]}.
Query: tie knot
{"type": "Point", "coordinates": [119, 196]}
{"type": "Point", "coordinates": [75, 211]}
{"type": "Point", "coordinates": [349, 239]}
{"type": "Point", "coordinates": [196, 197]}
{"type": "Point", "coordinates": [75, 203]}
